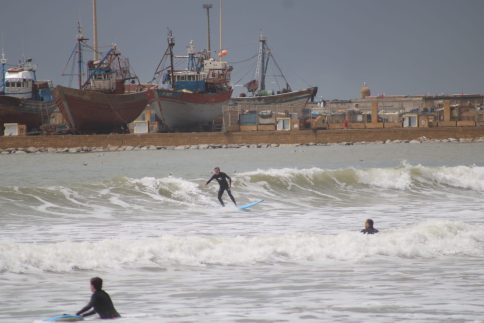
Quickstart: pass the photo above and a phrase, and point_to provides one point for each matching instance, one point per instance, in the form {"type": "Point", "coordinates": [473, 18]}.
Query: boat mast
{"type": "Point", "coordinates": [261, 69]}
{"type": "Point", "coordinates": [3, 61]}
{"type": "Point", "coordinates": [94, 30]}
{"type": "Point", "coordinates": [80, 40]}
{"type": "Point", "coordinates": [171, 44]}
{"type": "Point", "coordinates": [220, 31]}
{"type": "Point", "coordinates": [208, 6]}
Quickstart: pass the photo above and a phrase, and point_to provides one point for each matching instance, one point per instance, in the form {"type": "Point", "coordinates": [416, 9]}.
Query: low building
{"type": "Point", "coordinates": [409, 111]}
{"type": "Point", "coordinates": [264, 117]}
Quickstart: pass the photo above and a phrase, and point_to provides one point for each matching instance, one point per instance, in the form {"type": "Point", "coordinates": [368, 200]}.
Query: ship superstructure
{"type": "Point", "coordinates": [24, 99]}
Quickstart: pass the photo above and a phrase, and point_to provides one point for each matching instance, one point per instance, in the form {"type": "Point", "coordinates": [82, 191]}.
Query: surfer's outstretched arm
{"type": "Point", "coordinates": [211, 178]}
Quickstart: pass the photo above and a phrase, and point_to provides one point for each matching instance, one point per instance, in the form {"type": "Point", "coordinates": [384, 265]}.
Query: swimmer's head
{"type": "Point", "coordinates": [369, 224]}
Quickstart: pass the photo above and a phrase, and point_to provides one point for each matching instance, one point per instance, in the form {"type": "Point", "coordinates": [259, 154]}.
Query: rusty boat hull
{"type": "Point", "coordinates": [88, 111]}
{"type": "Point", "coordinates": [32, 113]}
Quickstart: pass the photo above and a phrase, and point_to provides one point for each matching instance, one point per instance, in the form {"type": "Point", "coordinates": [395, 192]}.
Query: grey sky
{"type": "Point", "coordinates": [405, 47]}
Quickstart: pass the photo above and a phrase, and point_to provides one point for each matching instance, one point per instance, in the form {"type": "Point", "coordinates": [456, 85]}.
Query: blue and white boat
{"type": "Point", "coordinates": [191, 99]}
{"type": "Point", "coordinates": [24, 99]}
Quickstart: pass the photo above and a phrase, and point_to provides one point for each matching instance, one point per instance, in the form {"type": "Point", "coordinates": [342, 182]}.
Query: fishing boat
{"type": "Point", "coordinates": [260, 95]}
{"type": "Point", "coordinates": [102, 104]}
{"type": "Point", "coordinates": [192, 98]}
{"type": "Point", "coordinates": [110, 97]}
{"type": "Point", "coordinates": [24, 99]}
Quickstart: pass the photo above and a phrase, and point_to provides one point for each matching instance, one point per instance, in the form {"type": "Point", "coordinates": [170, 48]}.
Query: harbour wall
{"type": "Point", "coordinates": [237, 138]}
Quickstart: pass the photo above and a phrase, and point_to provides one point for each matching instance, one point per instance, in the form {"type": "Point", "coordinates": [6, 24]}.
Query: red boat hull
{"type": "Point", "coordinates": [88, 111]}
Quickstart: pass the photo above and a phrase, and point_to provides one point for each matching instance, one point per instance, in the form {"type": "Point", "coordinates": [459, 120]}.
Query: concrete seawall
{"type": "Point", "coordinates": [265, 137]}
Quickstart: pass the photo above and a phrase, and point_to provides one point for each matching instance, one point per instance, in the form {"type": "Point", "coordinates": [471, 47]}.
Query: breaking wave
{"type": "Point", "coordinates": [404, 177]}
{"type": "Point", "coordinates": [108, 198]}
{"type": "Point", "coordinates": [432, 239]}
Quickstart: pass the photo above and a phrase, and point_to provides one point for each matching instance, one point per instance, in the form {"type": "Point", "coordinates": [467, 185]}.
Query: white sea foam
{"type": "Point", "coordinates": [393, 178]}
{"type": "Point", "coordinates": [290, 178]}
{"type": "Point", "coordinates": [429, 240]}
{"type": "Point", "coordinates": [400, 178]}
{"type": "Point", "coordinates": [285, 173]}
{"type": "Point", "coordinates": [171, 189]}
{"type": "Point", "coordinates": [467, 177]}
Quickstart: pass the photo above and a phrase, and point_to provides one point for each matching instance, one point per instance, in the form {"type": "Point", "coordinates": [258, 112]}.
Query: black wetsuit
{"type": "Point", "coordinates": [221, 178]}
{"type": "Point", "coordinates": [101, 304]}
{"type": "Point", "coordinates": [369, 231]}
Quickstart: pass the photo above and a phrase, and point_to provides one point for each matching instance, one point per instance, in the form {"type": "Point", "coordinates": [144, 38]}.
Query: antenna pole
{"type": "Point", "coordinates": [79, 55]}
{"type": "Point", "coordinates": [94, 30]}
{"type": "Point", "coordinates": [260, 72]}
{"type": "Point", "coordinates": [3, 61]}
{"type": "Point", "coordinates": [220, 30]}
{"type": "Point", "coordinates": [208, 6]}
{"type": "Point", "coordinates": [80, 39]}
{"type": "Point", "coordinates": [171, 44]}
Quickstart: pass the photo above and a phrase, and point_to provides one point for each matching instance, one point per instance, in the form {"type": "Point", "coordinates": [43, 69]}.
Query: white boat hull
{"type": "Point", "coordinates": [189, 111]}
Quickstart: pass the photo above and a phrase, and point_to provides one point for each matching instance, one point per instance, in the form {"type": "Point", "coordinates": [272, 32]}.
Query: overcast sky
{"type": "Point", "coordinates": [406, 47]}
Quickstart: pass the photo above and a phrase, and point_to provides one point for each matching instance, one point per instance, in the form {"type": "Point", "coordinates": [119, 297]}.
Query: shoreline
{"type": "Point", "coordinates": [235, 140]}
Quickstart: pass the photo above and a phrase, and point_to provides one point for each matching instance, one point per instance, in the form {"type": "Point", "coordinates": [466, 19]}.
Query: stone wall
{"type": "Point", "coordinates": [256, 137]}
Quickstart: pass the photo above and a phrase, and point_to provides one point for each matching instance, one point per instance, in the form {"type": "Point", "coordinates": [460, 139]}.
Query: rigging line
{"type": "Point", "coordinates": [253, 67]}
{"type": "Point", "coordinates": [93, 50]}
{"type": "Point", "coordinates": [248, 71]}
{"type": "Point", "coordinates": [72, 64]}
{"type": "Point", "coordinates": [68, 60]}
{"type": "Point", "coordinates": [302, 79]}
{"type": "Point", "coordinates": [132, 73]}
{"type": "Point", "coordinates": [161, 65]}
{"type": "Point", "coordinates": [277, 65]}
{"type": "Point", "coordinates": [245, 60]}
{"type": "Point", "coordinates": [71, 77]}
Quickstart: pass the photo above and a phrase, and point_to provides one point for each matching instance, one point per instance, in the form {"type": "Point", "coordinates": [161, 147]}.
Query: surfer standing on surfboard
{"type": "Point", "coordinates": [221, 178]}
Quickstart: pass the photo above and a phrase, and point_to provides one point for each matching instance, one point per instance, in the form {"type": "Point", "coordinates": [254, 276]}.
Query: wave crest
{"type": "Point", "coordinates": [293, 186]}
{"type": "Point", "coordinates": [428, 240]}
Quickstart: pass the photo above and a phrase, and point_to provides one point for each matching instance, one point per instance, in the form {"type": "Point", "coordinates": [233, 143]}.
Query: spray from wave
{"type": "Point", "coordinates": [432, 239]}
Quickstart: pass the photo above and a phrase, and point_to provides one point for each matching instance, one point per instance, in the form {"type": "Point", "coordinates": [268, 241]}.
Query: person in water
{"type": "Point", "coordinates": [221, 178]}
{"type": "Point", "coordinates": [100, 302]}
{"type": "Point", "coordinates": [369, 229]}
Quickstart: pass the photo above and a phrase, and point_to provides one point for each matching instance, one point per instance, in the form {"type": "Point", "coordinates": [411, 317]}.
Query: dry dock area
{"type": "Point", "coordinates": [240, 138]}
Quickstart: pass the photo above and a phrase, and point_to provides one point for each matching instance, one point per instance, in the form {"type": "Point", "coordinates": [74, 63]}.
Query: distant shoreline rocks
{"type": "Point", "coordinates": [111, 148]}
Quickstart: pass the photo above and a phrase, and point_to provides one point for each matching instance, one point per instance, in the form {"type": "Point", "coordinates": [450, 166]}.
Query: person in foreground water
{"type": "Point", "coordinates": [221, 178]}
{"type": "Point", "coordinates": [369, 229]}
{"type": "Point", "coordinates": [100, 302]}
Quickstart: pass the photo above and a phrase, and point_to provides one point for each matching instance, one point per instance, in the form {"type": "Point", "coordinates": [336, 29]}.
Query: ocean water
{"type": "Point", "coordinates": [146, 223]}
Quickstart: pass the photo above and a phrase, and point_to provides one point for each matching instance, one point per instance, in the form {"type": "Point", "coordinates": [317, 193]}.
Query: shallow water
{"type": "Point", "coordinates": [145, 222]}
